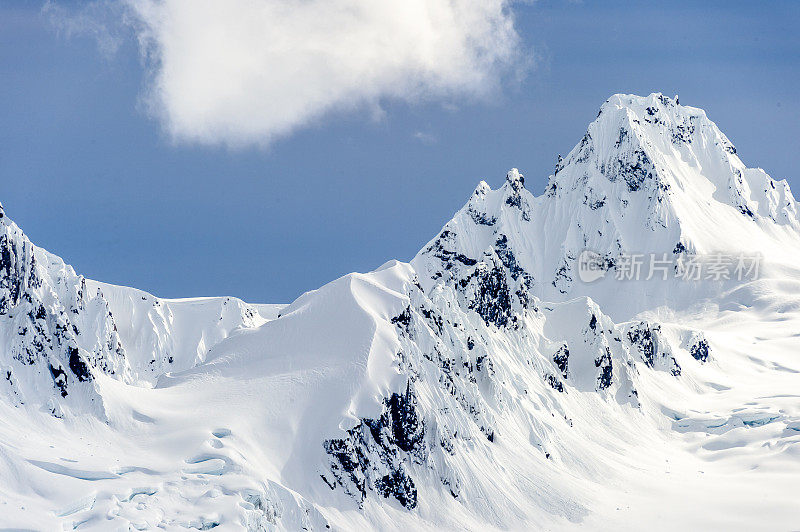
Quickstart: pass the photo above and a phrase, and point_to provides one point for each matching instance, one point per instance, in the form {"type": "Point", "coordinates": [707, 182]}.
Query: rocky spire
{"type": "Point", "coordinates": [515, 179]}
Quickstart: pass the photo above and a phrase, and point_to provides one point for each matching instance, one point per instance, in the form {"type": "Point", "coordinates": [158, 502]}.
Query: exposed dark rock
{"type": "Point", "coordinates": [621, 137]}
{"type": "Point", "coordinates": [509, 261]}
{"type": "Point", "coordinates": [403, 320]}
{"type": "Point", "coordinates": [683, 133]}
{"type": "Point", "coordinates": [563, 279]}
{"type": "Point", "coordinates": [491, 295]}
{"type": "Point", "coordinates": [634, 169]}
{"type": "Point", "coordinates": [439, 250]}
{"type": "Point", "coordinates": [514, 197]}
{"type": "Point", "coordinates": [645, 338]}
{"type": "Point", "coordinates": [559, 164]}
{"type": "Point", "coordinates": [59, 379]}
{"type": "Point", "coordinates": [642, 337]}
{"type": "Point", "coordinates": [484, 363]}
{"type": "Point", "coordinates": [399, 485]}
{"type": "Point", "coordinates": [556, 384]}
{"type": "Point", "coordinates": [78, 366]}
{"type": "Point", "coordinates": [375, 453]}
{"type": "Point", "coordinates": [700, 350]}
{"type": "Point", "coordinates": [434, 320]}
{"type": "Point", "coordinates": [594, 204]}
{"type": "Point", "coordinates": [481, 218]}
{"type": "Point", "coordinates": [606, 370]}
{"type": "Point", "coordinates": [12, 274]}
{"type": "Point", "coordinates": [407, 429]}
{"type": "Point", "coordinates": [561, 360]}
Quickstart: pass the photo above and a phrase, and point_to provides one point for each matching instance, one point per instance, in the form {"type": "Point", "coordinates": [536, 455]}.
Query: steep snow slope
{"type": "Point", "coordinates": [482, 386]}
{"type": "Point", "coordinates": [166, 335]}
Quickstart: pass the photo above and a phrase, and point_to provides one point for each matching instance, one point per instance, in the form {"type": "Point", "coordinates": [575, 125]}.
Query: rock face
{"type": "Point", "coordinates": [646, 338]}
{"type": "Point", "coordinates": [374, 453]}
{"type": "Point", "coordinates": [55, 336]}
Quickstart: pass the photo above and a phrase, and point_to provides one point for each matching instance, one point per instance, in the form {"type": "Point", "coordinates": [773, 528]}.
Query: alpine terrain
{"type": "Point", "coordinates": [618, 352]}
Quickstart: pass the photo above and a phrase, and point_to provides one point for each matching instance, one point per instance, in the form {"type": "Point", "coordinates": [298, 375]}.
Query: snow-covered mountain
{"type": "Point", "coordinates": [483, 385]}
{"type": "Point", "coordinates": [649, 176]}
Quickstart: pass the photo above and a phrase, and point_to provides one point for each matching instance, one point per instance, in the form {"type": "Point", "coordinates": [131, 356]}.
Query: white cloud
{"type": "Point", "coordinates": [249, 71]}
{"type": "Point", "coordinates": [425, 138]}
{"type": "Point", "coordinates": [91, 19]}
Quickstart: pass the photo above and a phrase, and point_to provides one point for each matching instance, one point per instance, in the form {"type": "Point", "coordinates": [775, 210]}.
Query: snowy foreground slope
{"type": "Point", "coordinates": [483, 385]}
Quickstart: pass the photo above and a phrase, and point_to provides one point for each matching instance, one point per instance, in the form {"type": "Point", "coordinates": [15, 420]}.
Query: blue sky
{"type": "Point", "coordinates": [91, 176]}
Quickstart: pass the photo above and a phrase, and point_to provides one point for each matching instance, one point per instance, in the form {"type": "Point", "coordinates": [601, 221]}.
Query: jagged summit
{"type": "Point", "coordinates": [657, 147]}
{"type": "Point", "coordinates": [515, 180]}
{"type": "Point", "coordinates": [649, 176]}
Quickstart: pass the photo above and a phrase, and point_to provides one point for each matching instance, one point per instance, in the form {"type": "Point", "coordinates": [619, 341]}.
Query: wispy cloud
{"type": "Point", "coordinates": [425, 138]}
{"type": "Point", "coordinates": [100, 20]}
{"type": "Point", "coordinates": [243, 72]}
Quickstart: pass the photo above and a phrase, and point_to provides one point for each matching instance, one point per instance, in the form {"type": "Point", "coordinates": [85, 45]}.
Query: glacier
{"type": "Point", "coordinates": [482, 385]}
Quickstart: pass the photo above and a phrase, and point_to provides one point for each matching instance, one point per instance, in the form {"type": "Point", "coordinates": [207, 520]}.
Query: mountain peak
{"type": "Point", "coordinates": [482, 189]}
{"type": "Point", "coordinates": [655, 109]}
{"type": "Point", "coordinates": [653, 145]}
{"type": "Point", "coordinates": [515, 179]}
{"type": "Point", "coordinates": [658, 121]}
{"type": "Point", "coordinates": [649, 176]}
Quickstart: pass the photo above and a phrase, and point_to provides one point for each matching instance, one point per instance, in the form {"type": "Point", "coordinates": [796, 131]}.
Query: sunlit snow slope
{"type": "Point", "coordinates": [481, 386]}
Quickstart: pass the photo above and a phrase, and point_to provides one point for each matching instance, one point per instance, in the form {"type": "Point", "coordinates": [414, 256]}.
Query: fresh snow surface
{"type": "Point", "coordinates": [481, 386]}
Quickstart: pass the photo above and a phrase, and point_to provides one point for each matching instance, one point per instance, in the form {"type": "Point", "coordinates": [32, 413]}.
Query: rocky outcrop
{"type": "Point", "coordinates": [375, 455]}
{"type": "Point", "coordinates": [54, 335]}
